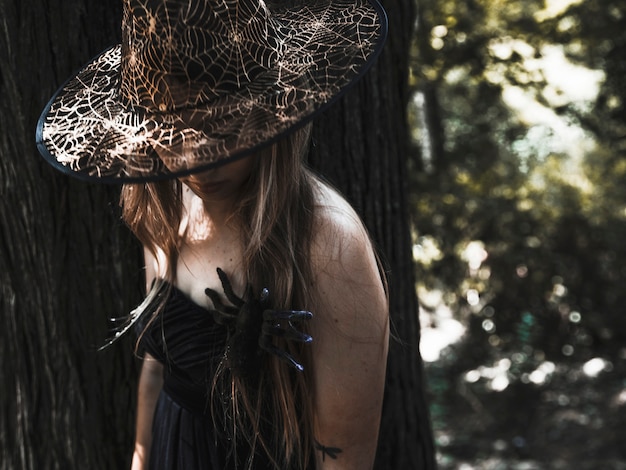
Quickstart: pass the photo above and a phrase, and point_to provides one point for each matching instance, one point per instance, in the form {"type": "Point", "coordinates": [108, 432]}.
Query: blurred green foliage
{"type": "Point", "coordinates": [519, 184]}
{"type": "Point", "coordinates": [531, 166]}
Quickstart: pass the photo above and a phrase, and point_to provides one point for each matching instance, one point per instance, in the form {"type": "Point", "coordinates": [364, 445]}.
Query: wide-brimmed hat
{"type": "Point", "coordinates": [196, 84]}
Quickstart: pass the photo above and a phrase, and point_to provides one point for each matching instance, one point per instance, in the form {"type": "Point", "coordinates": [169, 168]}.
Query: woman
{"type": "Point", "coordinates": [201, 113]}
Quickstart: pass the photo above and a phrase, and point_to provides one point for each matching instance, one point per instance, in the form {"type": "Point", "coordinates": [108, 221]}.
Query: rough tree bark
{"type": "Point", "coordinates": [67, 265]}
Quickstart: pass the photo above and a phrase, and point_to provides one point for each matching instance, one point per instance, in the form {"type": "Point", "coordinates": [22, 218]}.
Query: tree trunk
{"type": "Point", "coordinates": [67, 264]}
{"type": "Point", "coordinates": [64, 260]}
{"type": "Point", "coordinates": [361, 145]}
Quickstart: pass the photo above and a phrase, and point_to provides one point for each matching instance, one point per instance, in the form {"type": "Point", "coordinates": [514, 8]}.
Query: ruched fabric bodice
{"type": "Point", "coordinates": [185, 338]}
{"type": "Point", "coordinates": [188, 342]}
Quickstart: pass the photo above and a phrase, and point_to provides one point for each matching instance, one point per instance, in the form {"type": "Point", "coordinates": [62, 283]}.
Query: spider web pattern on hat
{"type": "Point", "coordinates": [196, 87]}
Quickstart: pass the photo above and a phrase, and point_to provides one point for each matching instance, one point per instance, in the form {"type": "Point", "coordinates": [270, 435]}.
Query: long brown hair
{"type": "Point", "coordinates": [276, 213]}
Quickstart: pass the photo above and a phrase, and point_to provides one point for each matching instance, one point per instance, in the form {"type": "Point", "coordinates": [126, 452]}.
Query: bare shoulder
{"type": "Point", "coordinates": [339, 234]}
{"type": "Point", "coordinates": [350, 335]}
{"type": "Point", "coordinates": [348, 287]}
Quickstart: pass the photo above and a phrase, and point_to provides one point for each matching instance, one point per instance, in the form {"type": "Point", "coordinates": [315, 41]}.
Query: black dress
{"type": "Point", "coordinates": [190, 344]}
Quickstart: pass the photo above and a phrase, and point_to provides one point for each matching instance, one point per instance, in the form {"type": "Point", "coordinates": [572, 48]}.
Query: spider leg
{"type": "Point", "coordinates": [274, 327]}
{"type": "Point", "coordinates": [215, 298]}
{"type": "Point", "coordinates": [273, 321]}
{"type": "Point", "coordinates": [289, 315]}
{"type": "Point", "coordinates": [228, 289]}
{"type": "Point", "coordinates": [267, 345]}
{"type": "Point", "coordinates": [222, 314]}
{"type": "Point", "coordinates": [290, 334]}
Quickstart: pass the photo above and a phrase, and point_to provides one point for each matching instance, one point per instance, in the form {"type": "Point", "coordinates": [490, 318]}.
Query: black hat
{"type": "Point", "coordinates": [196, 84]}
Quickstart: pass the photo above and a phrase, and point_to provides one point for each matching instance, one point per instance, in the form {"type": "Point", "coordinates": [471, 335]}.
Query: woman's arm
{"type": "Point", "coordinates": [350, 330]}
{"type": "Point", "coordinates": [149, 388]}
{"type": "Point", "coordinates": [150, 384]}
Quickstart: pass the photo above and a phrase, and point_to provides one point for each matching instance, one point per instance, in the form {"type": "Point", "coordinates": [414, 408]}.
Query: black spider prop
{"type": "Point", "coordinates": [252, 326]}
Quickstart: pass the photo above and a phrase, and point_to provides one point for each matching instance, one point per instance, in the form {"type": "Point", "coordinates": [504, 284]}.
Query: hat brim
{"type": "Point", "coordinates": [87, 131]}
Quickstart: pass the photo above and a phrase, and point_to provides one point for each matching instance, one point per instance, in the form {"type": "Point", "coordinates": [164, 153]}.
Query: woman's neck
{"type": "Point", "coordinates": [206, 220]}
{"type": "Point", "coordinates": [210, 238]}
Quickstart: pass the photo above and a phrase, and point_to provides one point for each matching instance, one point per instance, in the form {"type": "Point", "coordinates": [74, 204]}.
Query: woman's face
{"type": "Point", "coordinates": [222, 183]}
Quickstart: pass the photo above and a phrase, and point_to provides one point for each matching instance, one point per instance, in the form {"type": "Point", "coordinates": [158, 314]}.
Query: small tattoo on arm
{"type": "Point", "coordinates": [332, 452]}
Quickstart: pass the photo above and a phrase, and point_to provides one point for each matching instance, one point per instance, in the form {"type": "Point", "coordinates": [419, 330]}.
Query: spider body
{"type": "Point", "coordinates": [252, 325]}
